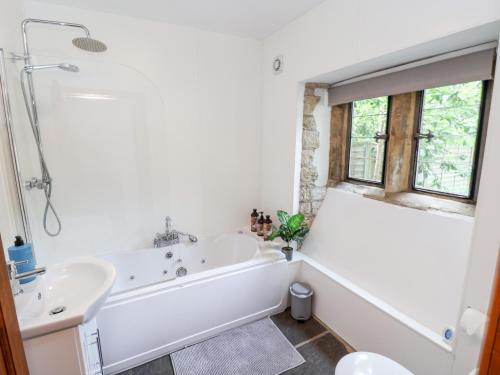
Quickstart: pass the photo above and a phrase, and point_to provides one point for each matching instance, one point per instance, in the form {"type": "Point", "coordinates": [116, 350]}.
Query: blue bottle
{"type": "Point", "coordinates": [22, 252]}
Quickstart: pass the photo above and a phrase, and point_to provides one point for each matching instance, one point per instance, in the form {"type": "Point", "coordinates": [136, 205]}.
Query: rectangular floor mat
{"type": "Point", "coordinates": [257, 348]}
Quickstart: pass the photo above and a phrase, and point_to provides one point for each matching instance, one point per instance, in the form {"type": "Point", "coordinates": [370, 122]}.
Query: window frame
{"type": "Point", "coordinates": [478, 149]}
{"type": "Point", "coordinates": [348, 147]}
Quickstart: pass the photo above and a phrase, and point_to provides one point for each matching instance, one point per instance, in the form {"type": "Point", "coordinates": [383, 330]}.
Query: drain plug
{"type": "Point", "coordinates": [57, 310]}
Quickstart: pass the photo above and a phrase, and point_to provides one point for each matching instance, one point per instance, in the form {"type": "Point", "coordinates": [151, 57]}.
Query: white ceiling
{"type": "Point", "coordinates": [250, 18]}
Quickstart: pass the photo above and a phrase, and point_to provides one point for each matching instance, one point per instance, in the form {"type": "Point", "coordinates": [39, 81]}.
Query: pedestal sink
{"type": "Point", "coordinates": [68, 295]}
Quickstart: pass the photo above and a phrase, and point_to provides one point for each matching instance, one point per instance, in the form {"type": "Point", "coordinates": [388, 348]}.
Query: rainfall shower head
{"type": "Point", "coordinates": [89, 44]}
{"type": "Point", "coordinates": [63, 66]}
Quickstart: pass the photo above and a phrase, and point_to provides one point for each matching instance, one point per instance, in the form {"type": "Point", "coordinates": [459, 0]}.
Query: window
{"type": "Point", "coordinates": [369, 120]}
{"type": "Point", "coordinates": [428, 142]}
{"type": "Point", "coordinates": [415, 128]}
{"type": "Point", "coordinates": [447, 139]}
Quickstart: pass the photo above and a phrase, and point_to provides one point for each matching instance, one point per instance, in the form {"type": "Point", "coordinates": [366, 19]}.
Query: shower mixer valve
{"type": "Point", "coordinates": [37, 183]}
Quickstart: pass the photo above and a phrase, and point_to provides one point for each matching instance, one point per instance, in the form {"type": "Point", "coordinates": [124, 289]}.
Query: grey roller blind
{"type": "Point", "coordinates": [424, 74]}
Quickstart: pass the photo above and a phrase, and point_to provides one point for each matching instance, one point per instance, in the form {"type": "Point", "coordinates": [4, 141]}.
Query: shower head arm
{"type": "Point", "coordinates": [30, 68]}
{"type": "Point", "coordinates": [63, 66]}
{"type": "Point", "coordinates": [27, 21]}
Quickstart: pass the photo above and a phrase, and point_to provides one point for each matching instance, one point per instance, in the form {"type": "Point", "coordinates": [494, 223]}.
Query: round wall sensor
{"type": "Point", "coordinates": [278, 64]}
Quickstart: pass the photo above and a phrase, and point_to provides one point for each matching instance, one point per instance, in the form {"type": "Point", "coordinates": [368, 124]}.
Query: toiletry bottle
{"type": "Point", "coordinates": [254, 216]}
{"type": "Point", "coordinates": [260, 225]}
{"type": "Point", "coordinates": [22, 252]}
{"type": "Point", "coordinates": [268, 226]}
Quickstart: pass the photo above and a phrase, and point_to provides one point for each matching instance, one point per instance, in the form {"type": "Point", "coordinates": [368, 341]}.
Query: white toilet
{"type": "Point", "coordinates": [366, 363]}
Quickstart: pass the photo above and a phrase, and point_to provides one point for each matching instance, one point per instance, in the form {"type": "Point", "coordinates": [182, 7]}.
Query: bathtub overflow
{"type": "Point", "coordinates": [203, 261]}
{"type": "Point", "coordinates": [132, 277]}
{"type": "Point", "coordinates": [181, 271]}
{"type": "Point", "coordinates": [169, 255]}
{"type": "Point", "coordinates": [57, 310]}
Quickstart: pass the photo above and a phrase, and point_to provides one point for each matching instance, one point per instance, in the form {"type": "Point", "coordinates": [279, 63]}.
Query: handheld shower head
{"type": "Point", "coordinates": [89, 44]}
{"type": "Point", "coordinates": [69, 68]}
{"type": "Point", "coordinates": [63, 66]}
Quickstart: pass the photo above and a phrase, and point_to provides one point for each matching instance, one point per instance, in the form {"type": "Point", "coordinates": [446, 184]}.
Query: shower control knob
{"type": "Point", "coordinates": [169, 255]}
{"type": "Point", "coordinates": [35, 183]}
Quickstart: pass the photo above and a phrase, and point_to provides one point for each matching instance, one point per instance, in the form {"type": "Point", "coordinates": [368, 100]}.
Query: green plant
{"type": "Point", "coordinates": [292, 228]}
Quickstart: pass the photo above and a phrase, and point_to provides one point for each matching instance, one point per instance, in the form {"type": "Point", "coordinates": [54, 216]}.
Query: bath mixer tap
{"type": "Point", "coordinates": [14, 277]}
{"type": "Point", "coordinates": [171, 236]}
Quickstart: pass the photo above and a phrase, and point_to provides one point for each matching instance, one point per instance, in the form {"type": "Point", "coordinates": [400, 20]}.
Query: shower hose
{"type": "Point", "coordinates": [46, 184]}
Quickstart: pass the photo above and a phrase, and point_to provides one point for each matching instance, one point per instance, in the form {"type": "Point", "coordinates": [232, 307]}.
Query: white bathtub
{"type": "Point", "coordinates": [230, 281]}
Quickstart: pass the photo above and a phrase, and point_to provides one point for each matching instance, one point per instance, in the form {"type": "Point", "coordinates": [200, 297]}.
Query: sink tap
{"type": "Point", "coordinates": [171, 236]}
{"type": "Point", "coordinates": [14, 277]}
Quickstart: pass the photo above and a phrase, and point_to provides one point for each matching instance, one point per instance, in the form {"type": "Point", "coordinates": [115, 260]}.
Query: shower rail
{"type": "Point", "coordinates": [13, 150]}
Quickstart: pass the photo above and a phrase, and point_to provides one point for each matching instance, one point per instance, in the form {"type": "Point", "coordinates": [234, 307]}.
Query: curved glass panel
{"type": "Point", "coordinates": [102, 129]}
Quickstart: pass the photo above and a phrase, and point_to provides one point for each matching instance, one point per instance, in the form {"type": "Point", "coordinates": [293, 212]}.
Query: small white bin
{"type": "Point", "coordinates": [301, 296]}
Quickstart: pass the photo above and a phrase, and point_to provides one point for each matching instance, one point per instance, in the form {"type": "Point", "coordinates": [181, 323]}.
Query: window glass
{"type": "Point", "coordinates": [448, 133]}
{"type": "Point", "coordinates": [368, 142]}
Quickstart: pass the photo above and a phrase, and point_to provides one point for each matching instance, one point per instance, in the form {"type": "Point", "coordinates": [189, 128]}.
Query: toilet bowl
{"type": "Point", "coordinates": [366, 363]}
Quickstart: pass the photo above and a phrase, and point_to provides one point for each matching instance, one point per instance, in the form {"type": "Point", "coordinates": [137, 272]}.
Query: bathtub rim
{"type": "Point", "coordinates": [260, 250]}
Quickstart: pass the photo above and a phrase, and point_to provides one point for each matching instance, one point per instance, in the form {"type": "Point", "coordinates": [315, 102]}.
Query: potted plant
{"type": "Point", "coordinates": [292, 228]}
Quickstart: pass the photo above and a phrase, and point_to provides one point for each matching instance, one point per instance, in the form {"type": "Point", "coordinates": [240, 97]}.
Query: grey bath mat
{"type": "Point", "coordinates": [257, 348]}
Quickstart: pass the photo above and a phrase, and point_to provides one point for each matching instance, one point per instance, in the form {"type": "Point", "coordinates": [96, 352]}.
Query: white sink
{"type": "Point", "coordinates": [79, 286]}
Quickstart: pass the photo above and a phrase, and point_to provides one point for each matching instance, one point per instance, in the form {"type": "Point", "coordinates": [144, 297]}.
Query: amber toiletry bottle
{"type": "Point", "coordinates": [254, 216]}
{"type": "Point", "coordinates": [268, 226]}
{"type": "Point", "coordinates": [260, 225]}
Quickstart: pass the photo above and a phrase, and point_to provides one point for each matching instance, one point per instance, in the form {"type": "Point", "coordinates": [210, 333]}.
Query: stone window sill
{"type": "Point", "coordinates": [410, 199]}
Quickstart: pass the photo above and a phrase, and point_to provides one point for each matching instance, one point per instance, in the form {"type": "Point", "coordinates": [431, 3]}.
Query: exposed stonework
{"type": "Point", "coordinates": [308, 175]}
{"type": "Point", "coordinates": [311, 196]}
{"type": "Point", "coordinates": [306, 209]}
{"type": "Point", "coordinates": [318, 193]}
{"type": "Point", "coordinates": [310, 103]}
{"type": "Point", "coordinates": [307, 157]}
{"type": "Point", "coordinates": [310, 140]}
{"type": "Point", "coordinates": [309, 123]}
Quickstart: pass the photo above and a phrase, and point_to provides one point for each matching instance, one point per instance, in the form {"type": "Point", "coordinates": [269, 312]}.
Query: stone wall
{"type": "Point", "coordinates": [311, 195]}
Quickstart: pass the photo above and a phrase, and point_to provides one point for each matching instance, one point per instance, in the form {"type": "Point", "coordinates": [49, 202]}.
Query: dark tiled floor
{"type": "Point", "coordinates": [321, 355]}
{"type": "Point", "coordinates": [320, 349]}
{"type": "Point", "coordinates": [160, 366]}
{"type": "Point", "coordinates": [297, 332]}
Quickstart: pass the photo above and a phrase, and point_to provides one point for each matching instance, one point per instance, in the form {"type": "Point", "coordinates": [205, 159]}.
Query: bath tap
{"type": "Point", "coordinates": [14, 277]}
{"type": "Point", "coordinates": [171, 236]}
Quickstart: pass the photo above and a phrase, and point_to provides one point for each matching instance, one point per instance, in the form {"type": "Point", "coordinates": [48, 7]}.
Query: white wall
{"type": "Point", "coordinates": [10, 24]}
{"type": "Point", "coordinates": [411, 259]}
{"type": "Point", "coordinates": [180, 137]}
